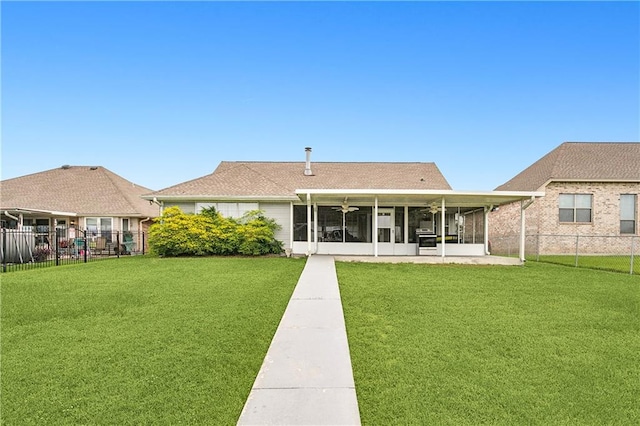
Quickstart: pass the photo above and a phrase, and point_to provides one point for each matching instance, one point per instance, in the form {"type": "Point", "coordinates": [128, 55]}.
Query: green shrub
{"type": "Point", "coordinates": [176, 233]}
{"type": "Point", "coordinates": [256, 234]}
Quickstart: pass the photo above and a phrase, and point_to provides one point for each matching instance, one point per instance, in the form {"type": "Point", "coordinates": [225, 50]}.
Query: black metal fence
{"type": "Point", "coordinates": [27, 249]}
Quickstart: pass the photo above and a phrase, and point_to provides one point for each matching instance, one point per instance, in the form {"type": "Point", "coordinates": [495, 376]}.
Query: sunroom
{"type": "Point", "coordinates": [402, 222]}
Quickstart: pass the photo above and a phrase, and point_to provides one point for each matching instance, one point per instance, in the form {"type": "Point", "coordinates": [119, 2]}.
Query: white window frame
{"type": "Point", "coordinates": [634, 198]}
{"type": "Point", "coordinates": [574, 207]}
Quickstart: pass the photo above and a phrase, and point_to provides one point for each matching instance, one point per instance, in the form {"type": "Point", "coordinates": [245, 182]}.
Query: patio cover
{"type": "Point", "coordinates": [418, 197]}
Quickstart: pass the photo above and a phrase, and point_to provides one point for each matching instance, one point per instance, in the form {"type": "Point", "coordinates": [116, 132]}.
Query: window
{"type": "Point", "coordinates": [628, 203]}
{"type": "Point", "coordinates": [99, 226]}
{"type": "Point", "coordinates": [125, 225]}
{"type": "Point", "coordinates": [62, 228]}
{"type": "Point", "coordinates": [229, 209]}
{"type": "Point", "coordinates": [575, 207]}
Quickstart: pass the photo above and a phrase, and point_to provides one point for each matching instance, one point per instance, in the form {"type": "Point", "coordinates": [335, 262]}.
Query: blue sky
{"type": "Point", "coordinates": [160, 93]}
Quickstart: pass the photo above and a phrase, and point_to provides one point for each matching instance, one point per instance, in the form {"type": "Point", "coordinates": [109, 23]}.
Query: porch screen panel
{"type": "Point", "coordinates": [300, 223]}
{"type": "Point", "coordinates": [357, 225]}
{"type": "Point", "coordinates": [399, 224]}
{"type": "Point", "coordinates": [416, 215]}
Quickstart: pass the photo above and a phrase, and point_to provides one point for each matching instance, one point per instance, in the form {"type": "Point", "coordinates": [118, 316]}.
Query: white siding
{"type": "Point", "coordinates": [280, 212]}
{"type": "Point", "coordinates": [185, 207]}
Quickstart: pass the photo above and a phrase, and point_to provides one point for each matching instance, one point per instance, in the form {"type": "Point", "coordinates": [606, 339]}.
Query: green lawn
{"type": "Point", "coordinates": [138, 340]}
{"type": "Point", "coordinates": [540, 344]}
{"type": "Point", "coordinates": [607, 263]}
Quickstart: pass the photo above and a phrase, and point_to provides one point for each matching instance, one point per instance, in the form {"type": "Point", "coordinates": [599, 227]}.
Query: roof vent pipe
{"type": "Point", "coordinates": [307, 167]}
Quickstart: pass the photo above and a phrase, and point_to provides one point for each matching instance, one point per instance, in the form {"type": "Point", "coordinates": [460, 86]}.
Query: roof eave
{"type": "Point", "coordinates": [26, 210]}
{"type": "Point", "coordinates": [443, 192]}
{"type": "Point", "coordinates": [591, 180]}
{"type": "Point", "coordinates": [212, 197]}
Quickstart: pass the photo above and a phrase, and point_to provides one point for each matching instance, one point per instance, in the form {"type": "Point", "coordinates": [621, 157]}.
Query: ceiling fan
{"type": "Point", "coordinates": [344, 208]}
{"type": "Point", "coordinates": [433, 208]}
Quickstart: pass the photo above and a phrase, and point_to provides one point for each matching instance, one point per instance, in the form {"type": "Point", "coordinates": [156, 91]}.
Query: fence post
{"type": "Point", "coordinates": [118, 244]}
{"type": "Point", "coordinates": [633, 246]}
{"type": "Point", "coordinates": [84, 243]}
{"type": "Point", "coordinates": [143, 242]}
{"type": "Point", "coordinates": [577, 241]}
{"type": "Point", "coordinates": [4, 249]}
{"type": "Point", "coordinates": [57, 250]}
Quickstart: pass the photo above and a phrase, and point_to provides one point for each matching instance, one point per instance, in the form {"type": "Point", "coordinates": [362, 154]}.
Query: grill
{"type": "Point", "coordinates": [426, 242]}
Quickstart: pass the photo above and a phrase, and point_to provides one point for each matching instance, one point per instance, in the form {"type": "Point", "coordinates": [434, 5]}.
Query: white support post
{"type": "Point", "coordinates": [308, 224]}
{"type": "Point", "coordinates": [315, 227]}
{"type": "Point", "coordinates": [522, 230]}
{"type": "Point", "coordinates": [487, 210]}
{"type": "Point", "coordinates": [442, 227]}
{"type": "Point", "coordinates": [291, 227]}
{"type": "Point", "coordinates": [406, 228]}
{"type": "Point", "coordinates": [375, 227]}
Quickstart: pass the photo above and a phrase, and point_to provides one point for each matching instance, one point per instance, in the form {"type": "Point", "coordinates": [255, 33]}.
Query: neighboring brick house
{"type": "Point", "coordinates": [73, 198]}
{"type": "Point", "coordinates": [591, 189]}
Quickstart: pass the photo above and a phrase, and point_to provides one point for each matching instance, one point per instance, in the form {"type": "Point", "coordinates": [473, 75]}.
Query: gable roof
{"type": "Point", "coordinates": [580, 161]}
{"type": "Point", "coordinates": [281, 179]}
{"type": "Point", "coordinates": [83, 190]}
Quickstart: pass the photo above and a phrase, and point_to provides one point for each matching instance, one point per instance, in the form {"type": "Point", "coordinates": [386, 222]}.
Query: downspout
{"type": "Point", "coordinates": [486, 229]}
{"type": "Point", "coordinates": [159, 203]}
{"type": "Point", "coordinates": [140, 233]}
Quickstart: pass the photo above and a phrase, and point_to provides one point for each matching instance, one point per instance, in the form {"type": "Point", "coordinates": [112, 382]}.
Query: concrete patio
{"type": "Point", "coordinates": [462, 260]}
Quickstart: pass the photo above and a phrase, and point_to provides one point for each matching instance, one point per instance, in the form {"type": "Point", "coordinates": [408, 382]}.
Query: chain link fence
{"type": "Point", "coordinates": [612, 253]}
{"type": "Point", "coordinates": [29, 248]}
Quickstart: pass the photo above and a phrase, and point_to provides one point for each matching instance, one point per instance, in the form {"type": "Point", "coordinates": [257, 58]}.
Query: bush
{"type": "Point", "coordinates": [176, 233]}
{"type": "Point", "coordinates": [41, 254]}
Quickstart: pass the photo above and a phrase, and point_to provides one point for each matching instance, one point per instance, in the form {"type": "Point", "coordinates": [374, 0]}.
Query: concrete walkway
{"type": "Point", "coordinates": [306, 377]}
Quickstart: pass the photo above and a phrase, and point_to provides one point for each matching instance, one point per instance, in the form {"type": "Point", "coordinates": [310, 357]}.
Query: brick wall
{"type": "Point", "coordinates": [542, 218]}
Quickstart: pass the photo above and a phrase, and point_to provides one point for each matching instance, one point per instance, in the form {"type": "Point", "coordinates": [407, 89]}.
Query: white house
{"type": "Point", "coordinates": [350, 208]}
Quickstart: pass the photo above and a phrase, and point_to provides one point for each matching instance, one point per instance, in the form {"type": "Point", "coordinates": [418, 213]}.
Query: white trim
{"type": "Point", "coordinates": [440, 192]}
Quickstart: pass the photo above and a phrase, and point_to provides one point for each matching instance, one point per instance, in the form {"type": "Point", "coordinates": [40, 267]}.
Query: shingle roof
{"type": "Point", "coordinates": [77, 189]}
{"type": "Point", "coordinates": [283, 178]}
{"type": "Point", "coordinates": [593, 161]}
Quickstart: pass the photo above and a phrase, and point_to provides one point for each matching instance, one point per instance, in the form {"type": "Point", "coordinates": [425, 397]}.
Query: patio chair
{"type": "Point", "coordinates": [101, 245]}
{"type": "Point", "coordinates": [128, 244]}
{"type": "Point", "coordinates": [78, 247]}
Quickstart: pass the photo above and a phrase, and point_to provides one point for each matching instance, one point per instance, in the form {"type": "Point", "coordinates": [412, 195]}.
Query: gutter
{"type": "Point", "coordinates": [17, 219]}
